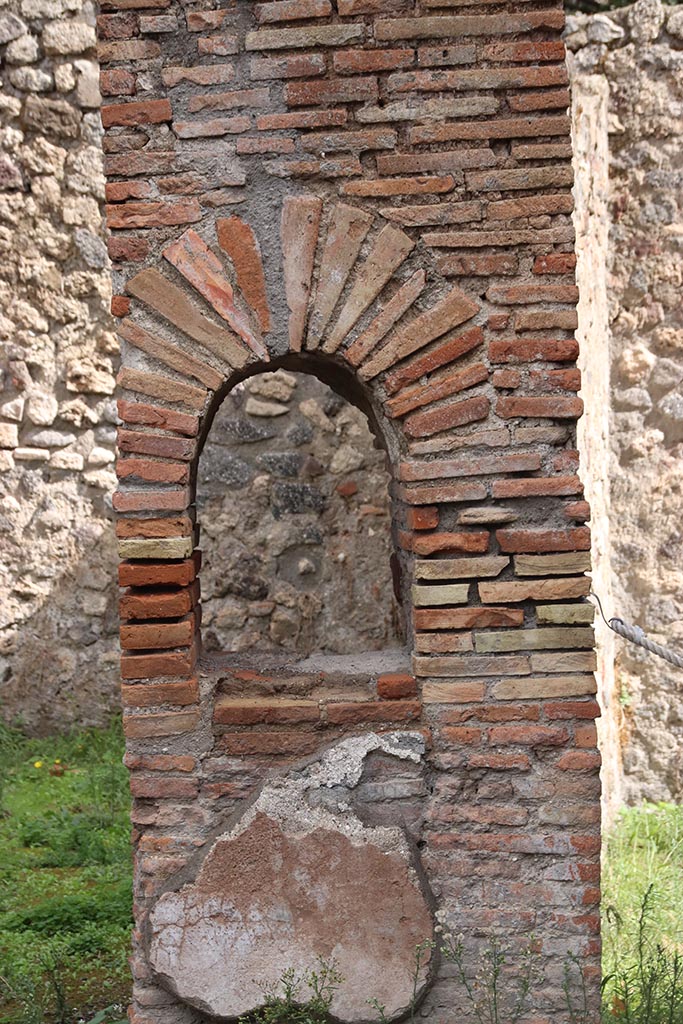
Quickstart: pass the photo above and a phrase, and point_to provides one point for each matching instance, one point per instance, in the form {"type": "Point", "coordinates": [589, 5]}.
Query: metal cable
{"type": "Point", "coordinates": [635, 635]}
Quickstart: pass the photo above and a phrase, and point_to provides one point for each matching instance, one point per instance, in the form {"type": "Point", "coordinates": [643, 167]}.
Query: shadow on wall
{"type": "Point", "coordinates": [293, 505]}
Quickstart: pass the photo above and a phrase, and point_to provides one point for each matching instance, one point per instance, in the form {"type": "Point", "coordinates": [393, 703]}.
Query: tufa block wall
{"type": "Point", "coordinates": [632, 60]}
{"type": "Point", "coordinates": [378, 195]}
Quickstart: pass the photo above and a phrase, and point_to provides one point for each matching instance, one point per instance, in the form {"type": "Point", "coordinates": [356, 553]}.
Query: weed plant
{"type": "Point", "coordinates": [65, 877]}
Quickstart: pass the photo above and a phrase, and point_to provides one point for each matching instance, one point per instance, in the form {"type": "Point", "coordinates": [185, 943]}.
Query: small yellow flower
{"type": "Point", "coordinates": [37, 764]}
{"type": "Point", "coordinates": [58, 760]}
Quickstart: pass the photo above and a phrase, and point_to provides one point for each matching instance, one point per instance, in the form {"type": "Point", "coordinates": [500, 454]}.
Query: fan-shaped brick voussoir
{"type": "Point", "coordinates": [329, 297]}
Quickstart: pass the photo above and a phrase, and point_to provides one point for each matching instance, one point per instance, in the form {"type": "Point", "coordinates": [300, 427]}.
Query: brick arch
{"type": "Point", "coordinates": [365, 315]}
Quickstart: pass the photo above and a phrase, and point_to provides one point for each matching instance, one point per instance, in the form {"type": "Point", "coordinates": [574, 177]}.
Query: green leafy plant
{"type": "Point", "coordinates": [299, 998]}
{"type": "Point", "coordinates": [499, 989]}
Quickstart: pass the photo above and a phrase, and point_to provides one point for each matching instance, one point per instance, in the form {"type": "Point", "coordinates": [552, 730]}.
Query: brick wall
{"type": "Point", "coordinates": [379, 195]}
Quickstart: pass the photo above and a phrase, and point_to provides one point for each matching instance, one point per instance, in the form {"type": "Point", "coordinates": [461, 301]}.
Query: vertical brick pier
{"type": "Point", "coordinates": [377, 192]}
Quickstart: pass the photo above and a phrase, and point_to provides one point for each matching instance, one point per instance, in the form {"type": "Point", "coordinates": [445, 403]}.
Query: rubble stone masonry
{"type": "Point", "coordinates": [377, 194]}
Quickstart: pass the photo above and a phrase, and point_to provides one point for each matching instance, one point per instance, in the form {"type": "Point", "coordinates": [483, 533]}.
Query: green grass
{"type": "Point", "coordinates": [65, 891]}
{"type": "Point", "coordinates": [642, 917]}
{"type": "Point", "coordinates": [65, 877]}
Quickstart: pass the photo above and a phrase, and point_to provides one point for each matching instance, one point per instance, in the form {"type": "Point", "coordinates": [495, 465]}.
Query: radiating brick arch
{"type": "Point", "coordinates": [360, 317]}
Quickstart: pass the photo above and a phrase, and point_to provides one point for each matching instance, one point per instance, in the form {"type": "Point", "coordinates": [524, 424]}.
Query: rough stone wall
{"type": "Point", "coordinates": [378, 194]}
{"type": "Point", "coordinates": [58, 658]}
{"type": "Point", "coordinates": [636, 56]}
{"type": "Point", "coordinates": [294, 504]}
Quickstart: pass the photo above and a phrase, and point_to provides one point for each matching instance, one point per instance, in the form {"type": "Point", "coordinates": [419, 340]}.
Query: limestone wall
{"type": "Point", "coordinates": [58, 656]}
{"type": "Point", "coordinates": [634, 58]}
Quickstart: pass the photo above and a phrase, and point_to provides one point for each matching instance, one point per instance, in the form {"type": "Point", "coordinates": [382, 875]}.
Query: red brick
{"type": "Point", "coordinates": [291, 10]}
{"type": "Point", "coordinates": [555, 263]}
{"type": "Point", "coordinates": [351, 62]}
{"type": "Point", "coordinates": [536, 486]}
{"type": "Point", "coordinates": [442, 354]}
{"type": "Point", "coordinates": [529, 293]}
{"type": "Point", "coordinates": [153, 215]}
{"type": "Point", "coordinates": [298, 66]}
{"type": "Point", "coordinates": [528, 735]}
{"type": "Point", "coordinates": [154, 472]}
{"type": "Point", "coordinates": [579, 511]}
{"type": "Point", "coordinates": [500, 762]}
{"type": "Point", "coordinates": [527, 52]}
{"type": "Point", "coordinates": [355, 713]}
{"type": "Point", "coordinates": [425, 518]}
{"type": "Point", "coordinates": [436, 387]}
{"type": "Point", "coordinates": [282, 742]}
{"type": "Point", "coordinates": [442, 160]}
{"type": "Point", "coordinates": [158, 385]}
{"type": "Point", "coordinates": [469, 465]}
{"type": "Point", "coordinates": [587, 845]}
{"type": "Point", "coordinates": [150, 574]}
{"type": "Point", "coordinates": [231, 100]}
{"type": "Point", "coordinates": [302, 119]}
{"type": "Point", "coordinates": [476, 543]}
{"type": "Point", "coordinates": [142, 788]}
{"type": "Point", "coordinates": [158, 604]}
{"type": "Point", "coordinates": [151, 666]}
{"type": "Point", "coordinates": [493, 713]}
{"type": "Point", "coordinates": [125, 249]}
{"type": "Point", "coordinates": [314, 93]}
{"type": "Point", "coordinates": [558, 380]}
{"type": "Point", "coordinates": [530, 206]}
{"type": "Point", "coordinates": [521, 350]}
{"type": "Point", "coordinates": [549, 99]}
{"type": "Point", "coordinates": [156, 444]}
{"type": "Point", "coordinates": [117, 82]}
{"type": "Point", "coordinates": [393, 686]}
{"type": "Point", "coordinates": [478, 78]}
{"type": "Point", "coordinates": [177, 526]}
{"type": "Point", "coordinates": [478, 266]}
{"type": "Point", "coordinates": [160, 762]}
{"type": "Point", "coordinates": [117, 26]}
{"type": "Point", "coordinates": [567, 459]}
{"type": "Point", "coordinates": [135, 113]}
{"type": "Point", "coordinates": [506, 128]}
{"type": "Point", "coordinates": [456, 414]}
{"type": "Point", "coordinates": [554, 407]}
{"type": "Point", "coordinates": [586, 735]}
{"type": "Point", "coordinates": [254, 713]}
{"type": "Point", "coordinates": [157, 416]}
{"type": "Point", "coordinates": [400, 186]}
{"type": "Point", "coordinates": [127, 50]}
{"type": "Point", "coordinates": [150, 695]}
{"type": "Point", "coordinates": [157, 635]}
{"type": "Point", "coordinates": [444, 493]}
{"type": "Point", "coordinates": [519, 178]}
{"type": "Point", "coordinates": [120, 305]}
{"type": "Point", "coordinates": [151, 501]}
{"type": "Point", "coordinates": [577, 539]}
{"type": "Point", "coordinates": [506, 379]}
{"type": "Point", "coordinates": [461, 735]}
{"type": "Point", "coordinates": [132, 164]}
{"type": "Point", "coordinates": [118, 191]}
{"type": "Point", "coordinates": [466, 618]}
{"type": "Point", "coordinates": [201, 21]}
